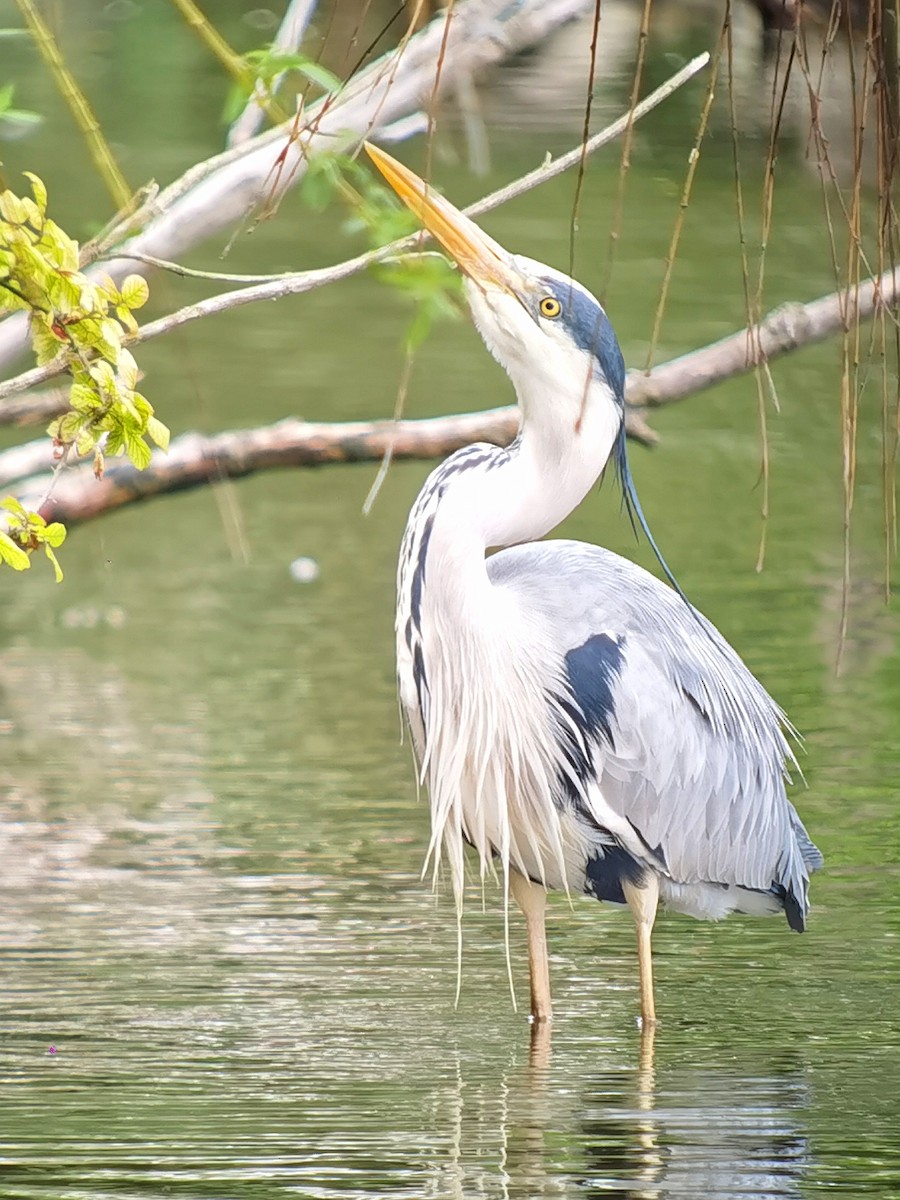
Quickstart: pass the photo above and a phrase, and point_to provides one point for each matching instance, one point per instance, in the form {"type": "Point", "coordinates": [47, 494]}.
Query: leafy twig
{"type": "Point", "coordinates": [77, 325]}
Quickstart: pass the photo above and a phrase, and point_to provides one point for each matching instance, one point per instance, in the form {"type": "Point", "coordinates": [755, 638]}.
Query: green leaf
{"type": "Point", "coordinates": [128, 370]}
{"type": "Point", "coordinates": [320, 181]}
{"type": "Point", "coordinates": [103, 375]}
{"type": "Point", "coordinates": [124, 315]}
{"type": "Point", "coordinates": [419, 328]}
{"type": "Point", "coordinates": [57, 569]}
{"type": "Point", "coordinates": [142, 407]}
{"type": "Point", "coordinates": [33, 214]}
{"type": "Point", "coordinates": [64, 294]}
{"type": "Point", "coordinates": [158, 432]}
{"type": "Point", "coordinates": [12, 505]}
{"type": "Point", "coordinates": [318, 75]}
{"type": "Point", "coordinates": [11, 209]}
{"type": "Point", "coordinates": [54, 534]}
{"type": "Point", "coordinates": [235, 102]}
{"type": "Point", "coordinates": [67, 427]}
{"type": "Point", "coordinates": [83, 398]}
{"type": "Point", "coordinates": [45, 343]}
{"type": "Point", "coordinates": [62, 249]}
{"type": "Point", "coordinates": [138, 450]}
{"type": "Point", "coordinates": [19, 122]}
{"type": "Point", "coordinates": [37, 190]}
{"type": "Point", "coordinates": [135, 291]}
{"type": "Point", "coordinates": [14, 556]}
{"type": "Point", "coordinates": [108, 340]}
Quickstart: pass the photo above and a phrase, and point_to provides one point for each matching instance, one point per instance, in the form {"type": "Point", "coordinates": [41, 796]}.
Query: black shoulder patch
{"type": "Point", "coordinates": [592, 670]}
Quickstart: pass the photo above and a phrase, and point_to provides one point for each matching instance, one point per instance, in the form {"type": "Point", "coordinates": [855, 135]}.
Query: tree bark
{"type": "Point", "coordinates": [195, 460]}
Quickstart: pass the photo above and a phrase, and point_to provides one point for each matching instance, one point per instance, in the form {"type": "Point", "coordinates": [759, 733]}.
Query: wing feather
{"type": "Point", "coordinates": [692, 752]}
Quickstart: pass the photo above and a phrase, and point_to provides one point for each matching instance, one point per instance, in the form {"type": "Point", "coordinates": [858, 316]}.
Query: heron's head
{"type": "Point", "coordinates": [552, 336]}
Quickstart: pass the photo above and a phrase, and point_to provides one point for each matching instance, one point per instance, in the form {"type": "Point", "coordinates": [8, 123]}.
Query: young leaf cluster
{"type": "Point", "coordinates": [25, 532]}
{"type": "Point", "coordinates": [85, 322]}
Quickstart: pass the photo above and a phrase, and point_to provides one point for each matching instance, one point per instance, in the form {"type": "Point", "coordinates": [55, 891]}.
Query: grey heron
{"type": "Point", "coordinates": [574, 718]}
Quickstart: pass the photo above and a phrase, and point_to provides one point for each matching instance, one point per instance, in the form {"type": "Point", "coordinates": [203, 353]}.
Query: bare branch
{"type": "Point", "coordinates": [195, 460]}
{"type": "Point", "coordinates": [30, 408]}
{"type": "Point", "coordinates": [788, 328]}
{"type": "Point", "coordinates": [23, 462]}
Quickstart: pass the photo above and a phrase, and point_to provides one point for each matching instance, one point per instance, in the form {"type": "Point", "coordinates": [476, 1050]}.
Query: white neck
{"type": "Point", "coordinates": [555, 461]}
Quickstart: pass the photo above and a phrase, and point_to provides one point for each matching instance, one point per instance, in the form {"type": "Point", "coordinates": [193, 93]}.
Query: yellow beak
{"type": "Point", "coordinates": [477, 255]}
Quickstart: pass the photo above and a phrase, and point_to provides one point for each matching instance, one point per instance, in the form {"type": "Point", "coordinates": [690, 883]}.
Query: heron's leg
{"type": "Point", "coordinates": [643, 902]}
{"type": "Point", "coordinates": [532, 899]}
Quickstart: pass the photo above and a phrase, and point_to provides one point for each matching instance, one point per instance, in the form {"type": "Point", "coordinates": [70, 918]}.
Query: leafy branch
{"type": "Point", "coordinates": [297, 282]}
{"type": "Point", "coordinates": [27, 531]}
{"type": "Point", "coordinates": [79, 326]}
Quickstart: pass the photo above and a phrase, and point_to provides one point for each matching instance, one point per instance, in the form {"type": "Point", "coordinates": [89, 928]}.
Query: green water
{"type": "Point", "coordinates": [221, 975]}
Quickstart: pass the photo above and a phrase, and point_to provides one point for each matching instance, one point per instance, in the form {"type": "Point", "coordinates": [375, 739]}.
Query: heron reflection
{"type": "Point", "coordinates": [639, 1132]}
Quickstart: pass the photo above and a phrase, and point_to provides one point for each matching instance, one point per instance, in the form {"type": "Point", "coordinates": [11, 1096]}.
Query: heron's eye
{"type": "Point", "coordinates": [550, 307]}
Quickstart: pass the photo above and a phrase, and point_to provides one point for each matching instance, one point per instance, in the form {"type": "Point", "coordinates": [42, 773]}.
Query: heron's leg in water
{"type": "Point", "coordinates": [532, 899]}
{"type": "Point", "coordinates": [643, 902]}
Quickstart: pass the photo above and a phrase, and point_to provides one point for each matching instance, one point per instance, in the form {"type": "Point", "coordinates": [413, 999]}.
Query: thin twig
{"type": "Point", "coordinates": [192, 273]}
{"type": "Point", "coordinates": [785, 329]}
{"type": "Point", "coordinates": [304, 281]}
{"type": "Point", "coordinates": [625, 160]}
{"type": "Point", "coordinates": [684, 201]}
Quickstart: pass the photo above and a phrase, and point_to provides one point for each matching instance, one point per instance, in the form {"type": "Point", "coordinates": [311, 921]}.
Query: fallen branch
{"type": "Point", "coordinates": [787, 328]}
{"type": "Point", "coordinates": [195, 460]}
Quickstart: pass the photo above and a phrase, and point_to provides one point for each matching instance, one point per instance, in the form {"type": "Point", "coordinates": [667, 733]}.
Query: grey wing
{"type": "Point", "coordinates": [683, 742]}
